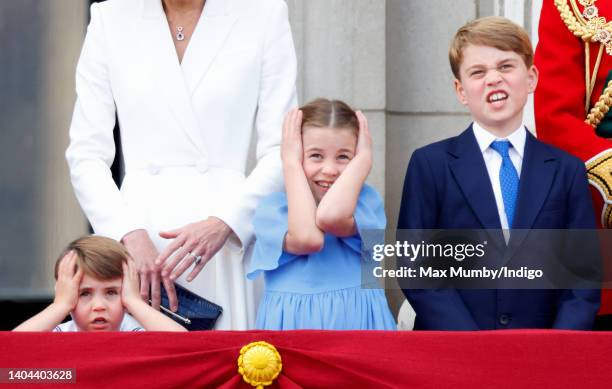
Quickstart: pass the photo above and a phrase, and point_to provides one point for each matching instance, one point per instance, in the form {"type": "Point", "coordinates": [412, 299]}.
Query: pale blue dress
{"type": "Point", "coordinates": [322, 290]}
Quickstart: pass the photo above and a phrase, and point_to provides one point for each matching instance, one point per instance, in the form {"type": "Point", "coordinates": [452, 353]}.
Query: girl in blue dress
{"type": "Point", "coordinates": [309, 239]}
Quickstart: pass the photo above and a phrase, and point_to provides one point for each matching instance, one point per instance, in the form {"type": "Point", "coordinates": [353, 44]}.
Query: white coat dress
{"type": "Point", "coordinates": [185, 128]}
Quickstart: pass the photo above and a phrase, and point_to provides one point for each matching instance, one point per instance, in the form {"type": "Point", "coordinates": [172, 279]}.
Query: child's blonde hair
{"type": "Point", "coordinates": [99, 257]}
{"type": "Point", "coordinates": [323, 113]}
{"type": "Point", "coordinates": [492, 31]}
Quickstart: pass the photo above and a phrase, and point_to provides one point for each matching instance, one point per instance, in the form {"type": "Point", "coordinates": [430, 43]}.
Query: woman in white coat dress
{"type": "Point", "coordinates": [188, 80]}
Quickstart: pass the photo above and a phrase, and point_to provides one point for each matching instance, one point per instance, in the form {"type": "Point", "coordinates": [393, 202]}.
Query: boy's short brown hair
{"type": "Point", "coordinates": [323, 113]}
{"type": "Point", "coordinates": [492, 31]}
{"type": "Point", "coordinates": [99, 257]}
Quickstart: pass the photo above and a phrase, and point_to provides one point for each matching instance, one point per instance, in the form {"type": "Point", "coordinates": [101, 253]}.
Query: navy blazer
{"type": "Point", "coordinates": [447, 187]}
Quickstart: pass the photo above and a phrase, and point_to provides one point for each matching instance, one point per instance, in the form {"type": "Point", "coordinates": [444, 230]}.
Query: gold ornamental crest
{"type": "Point", "coordinates": [259, 364]}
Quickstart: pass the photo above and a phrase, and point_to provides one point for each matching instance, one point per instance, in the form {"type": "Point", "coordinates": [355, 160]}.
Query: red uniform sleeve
{"type": "Point", "coordinates": [560, 94]}
{"type": "Point", "coordinates": [559, 105]}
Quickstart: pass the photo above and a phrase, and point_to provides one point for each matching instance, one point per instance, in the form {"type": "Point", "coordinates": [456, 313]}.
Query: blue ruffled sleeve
{"type": "Point", "coordinates": [370, 220]}
{"type": "Point", "coordinates": [270, 224]}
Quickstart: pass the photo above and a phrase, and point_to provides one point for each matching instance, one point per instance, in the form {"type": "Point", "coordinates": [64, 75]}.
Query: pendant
{"type": "Point", "coordinates": [179, 35]}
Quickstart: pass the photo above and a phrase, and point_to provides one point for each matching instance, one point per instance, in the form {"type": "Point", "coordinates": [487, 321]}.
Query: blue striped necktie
{"type": "Point", "coordinates": [508, 179]}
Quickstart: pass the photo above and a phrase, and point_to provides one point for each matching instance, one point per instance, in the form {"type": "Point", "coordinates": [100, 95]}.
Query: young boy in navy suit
{"type": "Point", "coordinates": [496, 175]}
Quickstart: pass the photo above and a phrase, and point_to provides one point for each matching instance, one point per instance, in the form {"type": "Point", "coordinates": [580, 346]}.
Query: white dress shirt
{"type": "Point", "coordinates": [493, 161]}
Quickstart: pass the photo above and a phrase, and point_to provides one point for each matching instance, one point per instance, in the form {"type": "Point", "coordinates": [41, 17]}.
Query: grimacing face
{"type": "Point", "coordinates": [99, 307]}
{"type": "Point", "coordinates": [327, 152]}
{"type": "Point", "coordinates": [494, 85]}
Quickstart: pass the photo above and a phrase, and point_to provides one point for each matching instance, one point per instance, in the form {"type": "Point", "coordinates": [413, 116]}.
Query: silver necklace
{"type": "Point", "coordinates": [179, 34]}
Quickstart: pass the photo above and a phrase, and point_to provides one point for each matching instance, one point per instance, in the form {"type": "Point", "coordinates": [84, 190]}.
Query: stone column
{"type": "Point", "coordinates": [63, 38]}
{"type": "Point", "coordinates": [40, 43]}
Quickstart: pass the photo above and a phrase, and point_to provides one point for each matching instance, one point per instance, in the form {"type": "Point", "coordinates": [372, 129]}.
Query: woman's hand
{"type": "Point", "coordinates": [292, 151]}
{"type": "Point", "coordinates": [143, 252]}
{"type": "Point", "coordinates": [68, 282]}
{"type": "Point", "coordinates": [195, 243]}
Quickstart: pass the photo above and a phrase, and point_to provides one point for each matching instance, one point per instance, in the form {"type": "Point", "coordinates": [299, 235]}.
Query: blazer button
{"type": "Point", "coordinates": [202, 166]}
{"type": "Point", "coordinates": [153, 169]}
{"type": "Point", "coordinates": [504, 319]}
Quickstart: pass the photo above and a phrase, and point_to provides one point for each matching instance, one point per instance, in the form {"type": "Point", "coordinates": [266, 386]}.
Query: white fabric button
{"type": "Point", "coordinates": [202, 165]}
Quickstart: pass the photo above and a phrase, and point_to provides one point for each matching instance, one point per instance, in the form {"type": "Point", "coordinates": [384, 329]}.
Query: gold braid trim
{"type": "Point", "coordinates": [578, 27]}
{"type": "Point", "coordinates": [567, 15]}
{"type": "Point", "coordinates": [601, 108]}
{"type": "Point", "coordinates": [606, 216]}
{"type": "Point", "coordinates": [597, 30]}
{"type": "Point", "coordinates": [599, 173]}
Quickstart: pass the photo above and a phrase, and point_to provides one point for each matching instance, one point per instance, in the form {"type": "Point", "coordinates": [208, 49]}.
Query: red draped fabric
{"type": "Point", "coordinates": [322, 359]}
